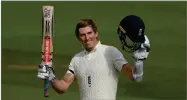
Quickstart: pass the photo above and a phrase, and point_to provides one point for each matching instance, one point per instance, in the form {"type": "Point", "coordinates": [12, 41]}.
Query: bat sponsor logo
{"type": "Point", "coordinates": [47, 13]}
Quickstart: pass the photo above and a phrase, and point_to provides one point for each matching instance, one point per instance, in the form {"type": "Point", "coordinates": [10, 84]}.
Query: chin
{"type": "Point", "coordinates": [89, 47]}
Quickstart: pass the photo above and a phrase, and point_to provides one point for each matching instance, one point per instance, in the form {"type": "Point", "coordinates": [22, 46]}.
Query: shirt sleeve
{"type": "Point", "coordinates": [118, 59]}
{"type": "Point", "coordinates": [71, 68]}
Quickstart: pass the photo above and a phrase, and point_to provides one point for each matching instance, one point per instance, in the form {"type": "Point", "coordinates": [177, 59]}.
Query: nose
{"type": "Point", "coordinates": [86, 36]}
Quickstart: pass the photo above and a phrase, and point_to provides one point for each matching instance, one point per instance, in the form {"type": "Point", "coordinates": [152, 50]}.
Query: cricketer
{"type": "Point", "coordinates": [98, 66]}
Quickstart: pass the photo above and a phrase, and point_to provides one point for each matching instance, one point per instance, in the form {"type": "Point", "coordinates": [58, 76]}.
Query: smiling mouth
{"type": "Point", "coordinates": [88, 42]}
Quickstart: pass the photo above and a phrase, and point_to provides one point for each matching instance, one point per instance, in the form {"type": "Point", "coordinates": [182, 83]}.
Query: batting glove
{"type": "Point", "coordinates": [142, 53]}
{"type": "Point", "coordinates": [46, 72]}
{"type": "Point", "coordinates": [138, 72]}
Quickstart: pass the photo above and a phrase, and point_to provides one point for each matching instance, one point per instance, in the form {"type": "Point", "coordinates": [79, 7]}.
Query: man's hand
{"type": "Point", "coordinates": [45, 72]}
{"type": "Point", "coordinates": [142, 53]}
{"type": "Point", "coordinates": [138, 56]}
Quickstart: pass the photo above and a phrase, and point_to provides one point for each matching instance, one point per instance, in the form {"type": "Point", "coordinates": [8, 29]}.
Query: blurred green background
{"type": "Point", "coordinates": [165, 71]}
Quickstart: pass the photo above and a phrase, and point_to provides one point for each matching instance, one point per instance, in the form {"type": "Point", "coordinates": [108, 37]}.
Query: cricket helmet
{"type": "Point", "coordinates": [131, 33]}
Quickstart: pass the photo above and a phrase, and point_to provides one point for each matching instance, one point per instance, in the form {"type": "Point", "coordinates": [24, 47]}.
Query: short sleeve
{"type": "Point", "coordinates": [71, 68]}
{"type": "Point", "coordinates": [117, 58]}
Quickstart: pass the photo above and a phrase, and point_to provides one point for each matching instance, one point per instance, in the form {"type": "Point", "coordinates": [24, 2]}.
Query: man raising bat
{"type": "Point", "coordinates": [97, 67]}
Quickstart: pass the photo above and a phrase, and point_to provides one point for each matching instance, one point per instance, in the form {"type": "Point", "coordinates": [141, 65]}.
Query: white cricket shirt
{"type": "Point", "coordinates": [97, 72]}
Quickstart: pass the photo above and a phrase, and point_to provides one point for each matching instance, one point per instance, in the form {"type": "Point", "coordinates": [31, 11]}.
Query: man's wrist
{"type": "Point", "coordinates": [53, 80]}
{"type": "Point", "coordinates": [138, 70]}
{"type": "Point", "coordinates": [138, 65]}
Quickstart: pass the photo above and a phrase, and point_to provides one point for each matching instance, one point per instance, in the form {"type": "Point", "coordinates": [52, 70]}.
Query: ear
{"type": "Point", "coordinates": [96, 34]}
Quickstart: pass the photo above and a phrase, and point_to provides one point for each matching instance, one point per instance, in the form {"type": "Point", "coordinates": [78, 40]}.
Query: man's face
{"type": "Point", "coordinates": [88, 37]}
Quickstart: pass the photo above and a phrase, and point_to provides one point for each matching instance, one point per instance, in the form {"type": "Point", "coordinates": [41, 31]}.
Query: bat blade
{"type": "Point", "coordinates": [47, 40]}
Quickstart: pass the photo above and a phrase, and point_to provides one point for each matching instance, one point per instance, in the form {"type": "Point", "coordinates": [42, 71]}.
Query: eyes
{"type": "Point", "coordinates": [84, 34]}
{"type": "Point", "coordinates": [89, 32]}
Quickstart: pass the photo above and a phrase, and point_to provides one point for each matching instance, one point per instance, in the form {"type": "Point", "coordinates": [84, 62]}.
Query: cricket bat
{"type": "Point", "coordinates": [47, 40]}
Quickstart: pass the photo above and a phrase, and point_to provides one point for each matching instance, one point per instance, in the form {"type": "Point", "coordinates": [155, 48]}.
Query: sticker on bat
{"type": "Point", "coordinates": [47, 13]}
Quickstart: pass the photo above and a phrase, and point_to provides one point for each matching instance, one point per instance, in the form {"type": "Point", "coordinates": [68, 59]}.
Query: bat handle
{"type": "Point", "coordinates": [46, 88]}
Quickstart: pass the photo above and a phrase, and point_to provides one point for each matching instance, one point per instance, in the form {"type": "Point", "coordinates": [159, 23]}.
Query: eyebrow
{"type": "Point", "coordinates": [89, 32]}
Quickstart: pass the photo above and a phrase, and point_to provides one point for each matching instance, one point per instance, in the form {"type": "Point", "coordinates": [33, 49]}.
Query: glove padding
{"type": "Point", "coordinates": [46, 72]}
{"type": "Point", "coordinates": [138, 72]}
{"type": "Point", "coordinates": [142, 53]}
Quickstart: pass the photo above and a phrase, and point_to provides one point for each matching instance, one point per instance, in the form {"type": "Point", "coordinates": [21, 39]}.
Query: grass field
{"type": "Point", "coordinates": [165, 69]}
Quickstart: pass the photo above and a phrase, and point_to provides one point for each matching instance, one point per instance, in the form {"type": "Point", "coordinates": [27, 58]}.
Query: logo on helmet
{"type": "Point", "coordinates": [140, 32]}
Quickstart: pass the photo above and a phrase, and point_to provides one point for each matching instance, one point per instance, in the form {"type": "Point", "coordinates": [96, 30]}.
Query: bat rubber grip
{"type": "Point", "coordinates": [46, 88]}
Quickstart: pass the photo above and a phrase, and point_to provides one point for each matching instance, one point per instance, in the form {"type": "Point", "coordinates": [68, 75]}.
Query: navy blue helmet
{"type": "Point", "coordinates": [131, 33]}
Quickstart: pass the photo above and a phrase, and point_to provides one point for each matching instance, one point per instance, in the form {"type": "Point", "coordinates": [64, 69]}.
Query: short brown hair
{"type": "Point", "coordinates": [83, 23]}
